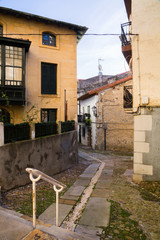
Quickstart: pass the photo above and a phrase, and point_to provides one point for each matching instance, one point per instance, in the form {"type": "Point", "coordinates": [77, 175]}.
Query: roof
{"type": "Point", "coordinates": [111, 85]}
{"type": "Point", "coordinates": [128, 6]}
{"type": "Point", "coordinates": [80, 30]}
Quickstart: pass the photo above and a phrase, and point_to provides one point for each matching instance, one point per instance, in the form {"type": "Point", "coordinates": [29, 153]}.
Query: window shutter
{"type": "Point", "coordinates": [48, 78]}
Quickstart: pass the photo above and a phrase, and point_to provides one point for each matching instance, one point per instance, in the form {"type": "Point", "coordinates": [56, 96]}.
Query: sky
{"type": "Point", "coordinates": [99, 16]}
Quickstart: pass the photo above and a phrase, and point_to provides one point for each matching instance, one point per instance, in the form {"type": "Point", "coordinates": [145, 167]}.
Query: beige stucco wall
{"type": "Point", "coordinates": [64, 55]}
{"type": "Point", "coordinates": [146, 87]}
{"type": "Point", "coordinates": [119, 134]}
{"type": "Point", "coordinates": [146, 51]}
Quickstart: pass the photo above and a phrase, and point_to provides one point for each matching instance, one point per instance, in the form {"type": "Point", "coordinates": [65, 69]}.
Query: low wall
{"type": "Point", "coordinates": [50, 155]}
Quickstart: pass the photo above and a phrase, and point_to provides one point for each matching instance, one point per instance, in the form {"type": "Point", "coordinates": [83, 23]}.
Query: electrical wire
{"type": "Point", "coordinates": [69, 34]}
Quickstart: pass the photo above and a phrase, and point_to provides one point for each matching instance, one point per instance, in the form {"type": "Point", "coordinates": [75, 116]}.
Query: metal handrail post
{"type": "Point", "coordinates": [57, 199]}
{"type": "Point", "coordinates": [55, 183]}
{"type": "Point", "coordinates": [34, 180]}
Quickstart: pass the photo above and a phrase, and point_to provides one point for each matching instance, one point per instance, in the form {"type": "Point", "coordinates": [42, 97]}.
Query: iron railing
{"type": "Point", "coordinates": [125, 36]}
{"type": "Point", "coordinates": [67, 126]}
{"type": "Point", "coordinates": [45, 129]}
{"type": "Point", "coordinates": [40, 175]}
{"type": "Point", "coordinates": [18, 132]}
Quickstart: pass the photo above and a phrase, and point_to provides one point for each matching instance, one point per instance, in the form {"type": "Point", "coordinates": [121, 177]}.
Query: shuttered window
{"type": "Point", "coordinates": [48, 78]}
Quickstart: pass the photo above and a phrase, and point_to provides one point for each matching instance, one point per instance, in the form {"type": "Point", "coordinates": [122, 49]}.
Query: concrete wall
{"type": "Point", "coordinates": [64, 55]}
{"type": "Point", "coordinates": [50, 155]}
{"type": "Point", "coordinates": [146, 87]}
{"type": "Point", "coordinates": [119, 134]}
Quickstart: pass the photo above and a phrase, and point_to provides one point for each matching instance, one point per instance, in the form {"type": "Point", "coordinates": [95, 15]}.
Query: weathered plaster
{"type": "Point", "coordinates": [50, 155]}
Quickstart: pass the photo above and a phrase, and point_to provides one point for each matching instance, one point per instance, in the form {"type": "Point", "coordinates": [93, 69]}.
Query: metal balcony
{"type": "Point", "coordinates": [126, 41]}
{"type": "Point", "coordinates": [125, 37]}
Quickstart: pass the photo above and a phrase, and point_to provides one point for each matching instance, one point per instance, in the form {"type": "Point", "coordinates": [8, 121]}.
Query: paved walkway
{"type": "Point", "coordinates": [88, 193]}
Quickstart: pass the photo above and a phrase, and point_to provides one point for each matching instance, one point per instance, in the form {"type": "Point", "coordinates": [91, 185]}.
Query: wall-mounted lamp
{"type": "Point", "coordinates": [94, 109]}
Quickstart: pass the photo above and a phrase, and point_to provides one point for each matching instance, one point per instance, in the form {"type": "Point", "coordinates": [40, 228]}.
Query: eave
{"type": "Point", "coordinates": [128, 7]}
{"type": "Point", "coordinates": [15, 42]}
{"type": "Point", "coordinates": [97, 90]}
{"type": "Point", "coordinates": [79, 30]}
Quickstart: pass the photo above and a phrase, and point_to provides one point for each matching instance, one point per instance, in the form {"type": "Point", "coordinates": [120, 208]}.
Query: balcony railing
{"type": "Point", "coordinates": [125, 37]}
{"type": "Point", "coordinates": [12, 95]}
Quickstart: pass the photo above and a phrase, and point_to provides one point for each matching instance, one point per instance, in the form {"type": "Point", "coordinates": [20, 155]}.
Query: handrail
{"type": "Point", "coordinates": [45, 177]}
{"type": "Point", "coordinates": [40, 175]}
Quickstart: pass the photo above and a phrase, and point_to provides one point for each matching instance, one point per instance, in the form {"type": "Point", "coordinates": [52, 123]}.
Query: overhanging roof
{"type": "Point", "coordinates": [128, 6]}
{"type": "Point", "coordinates": [15, 42]}
{"type": "Point", "coordinates": [97, 90]}
{"type": "Point", "coordinates": [80, 30]}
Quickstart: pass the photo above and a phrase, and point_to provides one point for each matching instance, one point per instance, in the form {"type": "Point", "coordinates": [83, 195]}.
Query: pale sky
{"type": "Point", "coordinates": [100, 16]}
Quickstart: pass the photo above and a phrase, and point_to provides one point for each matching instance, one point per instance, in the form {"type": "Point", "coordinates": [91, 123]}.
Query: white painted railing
{"type": "Point", "coordinates": [40, 175]}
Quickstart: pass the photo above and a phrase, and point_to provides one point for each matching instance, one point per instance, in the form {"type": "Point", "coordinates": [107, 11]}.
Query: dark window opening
{"type": "Point", "coordinates": [4, 116]}
{"type": "Point", "coordinates": [127, 97]}
{"type": "Point", "coordinates": [48, 78]}
{"type": "Point", "coordinates": [48, 115]}
{"type": "Point", "coordinates": [83, 131]}
{"type": "Point", "coordinates": [1, 30]}
{"type": "Point", "coordinates": [48, 39]}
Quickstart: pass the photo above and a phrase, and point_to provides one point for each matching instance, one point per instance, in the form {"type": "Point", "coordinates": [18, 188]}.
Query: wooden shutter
{"type": "Point", "coordinates": [48, 78]}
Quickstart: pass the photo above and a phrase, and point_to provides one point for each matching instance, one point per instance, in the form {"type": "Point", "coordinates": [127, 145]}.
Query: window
{"type": "Point", "coordinates": [11, 65]}
{"type": "Point", "coordinates": [48, 39]}
{"type": "Point", "coordinates": [127, 97]}
{"type": "Point", "coordinates": [48, 78]}
{"type": "Point", "coordinates": [88, 109]}
{"type": "Point", "coordinates": [48, 115]}
{"type": "Point", "coordinates": [1, 30]}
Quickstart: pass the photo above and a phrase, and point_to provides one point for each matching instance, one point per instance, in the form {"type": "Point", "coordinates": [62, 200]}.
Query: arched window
{"type": "Point", "coordinates": [48, 39]}
{"type": "Point", "coordinates": [4, 116]}
{"type": "Point", "coordinates": [1, 30]}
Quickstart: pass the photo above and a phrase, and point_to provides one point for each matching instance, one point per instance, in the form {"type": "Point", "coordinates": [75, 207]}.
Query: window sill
{"type": "Point", "coordinates": [129, 110]}
{"type": "Point", "coordinates": [49, 95]}
{"type": "Point", "coordinates": [49, 47]}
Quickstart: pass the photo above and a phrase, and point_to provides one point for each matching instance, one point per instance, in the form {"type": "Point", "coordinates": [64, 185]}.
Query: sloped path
{"type": "Point", "coordinates": [96, 209]}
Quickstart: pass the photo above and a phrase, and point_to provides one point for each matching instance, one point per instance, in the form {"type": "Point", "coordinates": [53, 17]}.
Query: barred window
{"type": "Point", "coordinates": [127, 97]}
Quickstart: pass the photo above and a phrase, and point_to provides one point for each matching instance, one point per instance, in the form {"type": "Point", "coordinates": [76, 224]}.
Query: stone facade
{"type": "Point", "coordinates": [119, 133]}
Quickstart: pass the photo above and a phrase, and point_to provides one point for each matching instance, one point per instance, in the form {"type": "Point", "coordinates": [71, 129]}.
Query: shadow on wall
{"type": "Point", "coordinates": [50, 155]}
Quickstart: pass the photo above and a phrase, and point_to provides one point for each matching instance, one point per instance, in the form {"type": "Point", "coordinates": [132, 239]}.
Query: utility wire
{"type": "Point", "coordinates": [68, 34]}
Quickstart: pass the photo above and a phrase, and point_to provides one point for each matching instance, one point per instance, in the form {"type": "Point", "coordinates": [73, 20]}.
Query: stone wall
{"type": "Point", "coordinates": [50, 155]}
{"type": "Point", "coordinates": [119, 134]}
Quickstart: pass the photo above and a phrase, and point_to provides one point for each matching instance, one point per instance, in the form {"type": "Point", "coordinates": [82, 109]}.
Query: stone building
{"type": "Point", "coordinates": [109, 107]}
{"type": "Point", "coordinates": [37, 67]}
{"type": "Point", "coordinates": [141, 48]}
